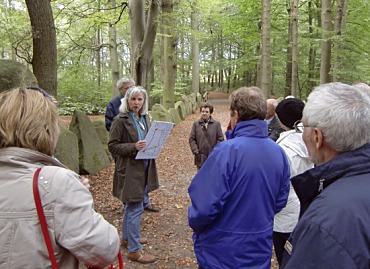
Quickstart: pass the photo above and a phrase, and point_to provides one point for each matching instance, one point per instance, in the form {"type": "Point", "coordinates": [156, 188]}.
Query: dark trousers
{"type": "Point", "coordinates": [279, 242]}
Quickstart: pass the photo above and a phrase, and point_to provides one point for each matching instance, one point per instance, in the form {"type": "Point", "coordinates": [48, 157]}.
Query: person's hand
{"type": "Point", "coordinates": [140, 145]}
{"type": "Point", "coordinates": [85, 181]}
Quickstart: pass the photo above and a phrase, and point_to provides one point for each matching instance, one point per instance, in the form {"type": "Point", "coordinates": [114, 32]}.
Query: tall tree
{"type": "Point", "coordinates": [294, 19]}
{"type": "Point", "coordinates": [143, 32]}
{"type": "Point", "coordinates": [265, 48]}
{"type": "Point", "coordinates": [327, 28]}
{"type": "Point", "coordinates": [44, 59]}
{"type": "Point", "coordinates": [194, 47]}
{"type": "Point", "coordinates": [339, 28]}
{"type": "Point", "coordinates": [113, 50]}
{"type": "Point", "coordinates": [169, 55]}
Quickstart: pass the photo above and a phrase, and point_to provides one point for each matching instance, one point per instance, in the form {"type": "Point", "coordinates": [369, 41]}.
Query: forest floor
{"type": "Point", "coordinates": [168, 233]}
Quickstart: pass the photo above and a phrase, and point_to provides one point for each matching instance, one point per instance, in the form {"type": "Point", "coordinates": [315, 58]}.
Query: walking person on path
{"type": "Point", "coordinates": [205, 134]}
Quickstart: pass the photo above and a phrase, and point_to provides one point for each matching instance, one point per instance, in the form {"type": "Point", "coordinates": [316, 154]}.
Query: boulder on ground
{"type": "Point", "coordinates": [159, 113]}
{"type": "Point", "coordinates": [67, 149]}
{"type": "Point", "coordinates": [14, 74]}
{"type": "Point", "coordinates": [92, 155]}
{"type": "Point", "coordinates": [175, 117]}
{"type": "Point", "coordinates": [180, 107]}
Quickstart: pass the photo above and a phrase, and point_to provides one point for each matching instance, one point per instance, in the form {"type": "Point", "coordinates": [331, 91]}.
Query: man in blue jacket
{"type": "Point", "coordinates": [238, 190]}
{"type": "Point", "coordinates": [334, 228]}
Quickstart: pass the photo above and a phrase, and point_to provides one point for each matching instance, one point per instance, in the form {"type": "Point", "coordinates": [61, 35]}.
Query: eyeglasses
{"type": "Point", "coordinates": [299, 127]}
{"type": "Point", "coordinates": [44, 93]}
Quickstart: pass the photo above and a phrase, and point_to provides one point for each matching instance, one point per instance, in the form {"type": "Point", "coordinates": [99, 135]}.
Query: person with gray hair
{"type": "Point", "coordinates": [112, 109]}
{"type": "Point", "coordinates": [132, 178]}
{"type": "Point", "coordinates": [241, 186]}
{"type": "Point", "coordinates": [274, 128]}
{"type": "Point", "coordinates": [333, 230]}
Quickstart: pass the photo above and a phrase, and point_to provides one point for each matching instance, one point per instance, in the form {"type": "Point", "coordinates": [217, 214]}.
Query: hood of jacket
{"type": "Point", "coordinates": [311, 183]}
{"type": "Point", "coordinates": [293, 140]}
{"type": "Point", "coordinates": [250, 128]}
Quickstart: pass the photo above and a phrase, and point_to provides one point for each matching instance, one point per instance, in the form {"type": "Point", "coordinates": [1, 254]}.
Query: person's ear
{"type": "Point", "coordinates": [318, 138]}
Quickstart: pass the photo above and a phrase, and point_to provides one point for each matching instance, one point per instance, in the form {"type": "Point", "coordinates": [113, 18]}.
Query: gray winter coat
{"type": "Point", "coordinates": [77, 232]}
{"type": "Point", "coordinates": [129, 175]}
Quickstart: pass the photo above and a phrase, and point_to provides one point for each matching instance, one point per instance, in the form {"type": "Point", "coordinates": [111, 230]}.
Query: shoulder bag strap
{"type": "Point", "coordinates": [41, 215]}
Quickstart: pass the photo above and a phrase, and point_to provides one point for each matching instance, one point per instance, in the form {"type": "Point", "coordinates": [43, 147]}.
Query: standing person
{"type": "Point", "coordinates": [132, 177]}
{"type": "Point", "coordinates": [112, 111]}
{"type": "Point", "coordinates": [274, 128]}
{"type": "Point", "coordinates": [241, 186]}
{"type": "Point", "coordinates": [28, 136]}
{"type": "Point", "coordinates": [333, 231]}
{"type": "Point", "coordinates": [205, 134]}
{"type": "Point", "coordinates": [289, 112]}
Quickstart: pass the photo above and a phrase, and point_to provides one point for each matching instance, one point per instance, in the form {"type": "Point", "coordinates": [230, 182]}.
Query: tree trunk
{"type": "Point", "coordinates": [327, 27]}
{"type": "Point", "coordinates": [266, 60]}
{"type": "Point", "coordinates": [195, 48]}
{"type": "Point", "coordinates": [142, 40]}
{"type": "Point", "coordinates": [113, 52]}
{"type": "Point", "coordinates": [169, 55]}
{"type": "Point", "coordinates": [288, 74]}
{"type": "Point", "coordinates": [294, 87]}
{"type": "Point", "coordinates": [44, 60]}
{"type": "Point", "coordinates": [339, 28]}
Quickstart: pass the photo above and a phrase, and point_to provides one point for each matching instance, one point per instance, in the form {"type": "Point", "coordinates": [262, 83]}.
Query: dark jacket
{"type": "Point", "coordinates": [275, 128]}
{"type": "Point", "coordinates": [129, 174]}
{"type": "Point", "coordinates": [202, 140]}
{"type": "Point", "coordinates": [112, 110]}
{"type": "Point", "coordinates": [334, 230]}
{"type": "Point", "coordinates": [235, 195]}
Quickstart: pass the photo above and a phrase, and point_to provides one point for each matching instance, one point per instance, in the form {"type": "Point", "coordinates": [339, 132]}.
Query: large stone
{"type": "Point", "coordinates": [93, 156]}
{"type": "Point", "coordinates": [99, 125]}
{"type": "Point", "coordinates": [14, 74]}
{"type": "Point", "coordinates": [159, 113]}
{"type": "Point", "coordinates": [175, 117]}
{"type": "Point", "coordinates": [67, 149]}
{"type": "Point", "coordinates": [188, 104]}
{"type": "Point", "coordinates": [180, 107]}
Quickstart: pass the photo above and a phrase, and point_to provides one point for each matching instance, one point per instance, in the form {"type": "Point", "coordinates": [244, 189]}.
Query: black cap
{"type": "Point", "coordinates": [289, 111]}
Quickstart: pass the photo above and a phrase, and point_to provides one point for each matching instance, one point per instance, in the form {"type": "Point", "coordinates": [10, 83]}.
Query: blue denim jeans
{"type": "Point", "coordinates": [131, 225]}
{"type": "Point", "coordinates": [146, 197]}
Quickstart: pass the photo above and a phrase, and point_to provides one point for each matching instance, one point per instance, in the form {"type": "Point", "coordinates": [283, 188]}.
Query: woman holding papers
{"type": "Point", "coordinates": [131, 176]}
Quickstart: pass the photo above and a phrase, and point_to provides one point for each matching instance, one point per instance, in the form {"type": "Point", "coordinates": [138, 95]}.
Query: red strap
{"type": "Point", "coordinates": [44, 226]}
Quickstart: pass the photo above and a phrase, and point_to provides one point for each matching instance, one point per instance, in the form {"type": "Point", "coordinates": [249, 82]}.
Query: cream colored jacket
{"type": "Point", "coordinates": [78, 233]}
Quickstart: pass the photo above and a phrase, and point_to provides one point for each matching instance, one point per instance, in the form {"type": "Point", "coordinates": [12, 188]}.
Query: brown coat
{"type": "Point", "coordinates": [129, 174]}
{"type": "Point", "coordinates": [200, 145]}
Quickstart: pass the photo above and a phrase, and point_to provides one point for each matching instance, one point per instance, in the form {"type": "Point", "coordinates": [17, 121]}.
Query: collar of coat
{"type": "Point", "coordinates": [250, 128]}
{"type": "Point", "coordinates": [311, 183]}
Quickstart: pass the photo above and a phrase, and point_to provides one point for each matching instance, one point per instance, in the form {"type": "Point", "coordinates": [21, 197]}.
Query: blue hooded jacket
{"type": "Point", "coordinates": [235, 195]}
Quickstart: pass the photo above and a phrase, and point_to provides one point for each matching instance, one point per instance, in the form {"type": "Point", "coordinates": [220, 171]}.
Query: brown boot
{"type": "Point", "coordinates": [141, 257]}
{"type": "Point", "coordinates": [143, 240]}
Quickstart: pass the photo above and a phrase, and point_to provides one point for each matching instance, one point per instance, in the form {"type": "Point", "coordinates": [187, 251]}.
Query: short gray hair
{"type": "Point", "coordinates": [134, 90]}
{"type": "Point", "coordinates": [342, 113]}
{"type": "Point", "coordinates": [124, 81]}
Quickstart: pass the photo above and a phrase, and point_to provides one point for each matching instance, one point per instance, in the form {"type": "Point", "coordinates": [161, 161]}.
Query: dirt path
{"type": "Point", "coordinates": [168, 232]}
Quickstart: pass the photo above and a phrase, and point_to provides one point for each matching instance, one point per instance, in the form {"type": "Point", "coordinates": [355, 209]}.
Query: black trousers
{"type": "Point", "coordinates": [279, 242]}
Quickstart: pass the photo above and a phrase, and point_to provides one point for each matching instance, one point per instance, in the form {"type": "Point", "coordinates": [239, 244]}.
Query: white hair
{"type": "Point", "coordinates": [342, 113]}
{"type": "Point", "coordinates": [124, 81]}
{"type": "Point", "coordinates": [131, 92]}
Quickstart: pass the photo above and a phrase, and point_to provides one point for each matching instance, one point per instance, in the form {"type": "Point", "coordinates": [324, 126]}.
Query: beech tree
{"type": "Point", "coordinates": [44, 59]}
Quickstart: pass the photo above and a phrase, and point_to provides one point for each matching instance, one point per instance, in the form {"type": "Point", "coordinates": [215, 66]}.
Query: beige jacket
{"type": "Point", "coordinates": [77, 232]}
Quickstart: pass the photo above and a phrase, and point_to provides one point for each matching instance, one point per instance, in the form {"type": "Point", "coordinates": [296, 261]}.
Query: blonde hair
{"type": "Point", "coordinates": [28, 119]}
